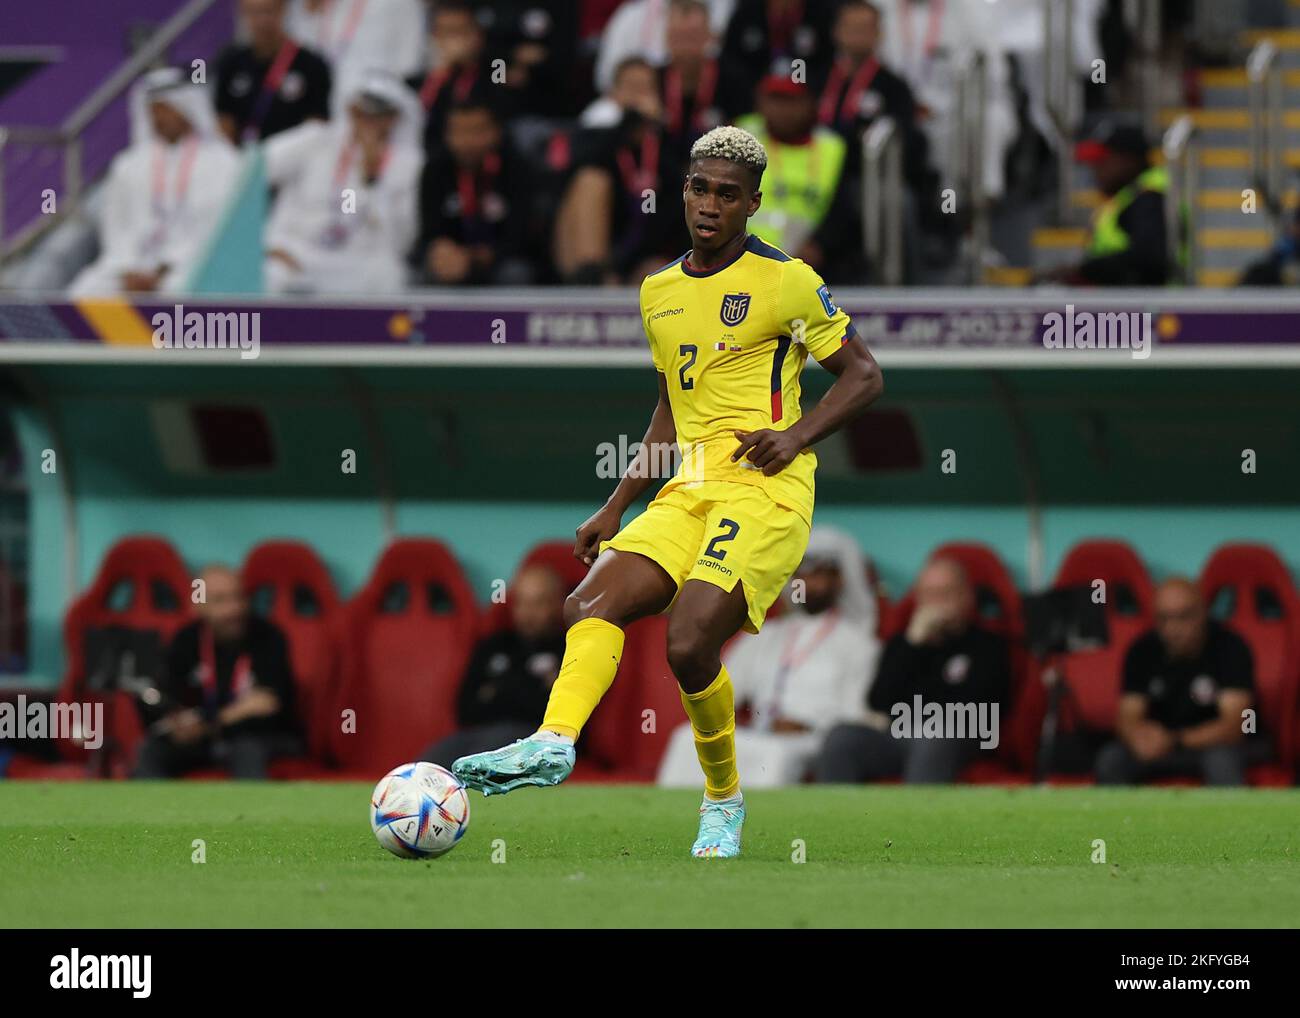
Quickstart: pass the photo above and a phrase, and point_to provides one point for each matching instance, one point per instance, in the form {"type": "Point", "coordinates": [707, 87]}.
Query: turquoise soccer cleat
{"type": "Point", "coordinates": [528, 761]}
{"type": "Point", "coordinates": [719, 836]}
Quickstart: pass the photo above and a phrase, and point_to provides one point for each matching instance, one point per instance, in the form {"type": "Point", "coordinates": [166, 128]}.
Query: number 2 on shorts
{"type": "Point", "coordinates": [730, 528]}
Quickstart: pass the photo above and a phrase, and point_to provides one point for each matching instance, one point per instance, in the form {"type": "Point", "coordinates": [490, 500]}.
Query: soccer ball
{"type": "Point", "coordinates": [419, 810]}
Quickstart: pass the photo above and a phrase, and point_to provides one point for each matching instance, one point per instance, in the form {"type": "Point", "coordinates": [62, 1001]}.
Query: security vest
{"type": "Point", "coordinates": [798, 185]}
{"type": "Point", "coordinates": [1108, 237]}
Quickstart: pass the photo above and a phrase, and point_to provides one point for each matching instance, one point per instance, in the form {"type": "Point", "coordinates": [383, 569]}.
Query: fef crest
{"type": "Point", "coordinates": [734, 308]}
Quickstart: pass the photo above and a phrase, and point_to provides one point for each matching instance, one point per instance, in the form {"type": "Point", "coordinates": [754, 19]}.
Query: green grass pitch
{"type": "Point", "coordinates": [117, 854]}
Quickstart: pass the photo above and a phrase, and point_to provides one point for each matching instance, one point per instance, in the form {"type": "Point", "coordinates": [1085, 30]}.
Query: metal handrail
{"type": "Point", "coordinates": [1144, 16]}
{"type": "Point", "coordinates": [1181, 217]}
{"type": "Point", "coordinates": [69, 136]}
{"type": "Point", "coordinates": [1266, 141]}
{"type": "Point", "coordinates": [882, 201]}
{"type": "Point", "coordinates": [1060, 95]}
{"type": "Point", "coordinates": [972, 96]}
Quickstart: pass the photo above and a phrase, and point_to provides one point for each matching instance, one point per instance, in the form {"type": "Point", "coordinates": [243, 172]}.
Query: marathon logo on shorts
{"type": "Point", "coordinates": [713, 565]}
{"type": "Point", "coordinates": [735, 306]}
{"type": "Point", "coordinates": [75, 971]}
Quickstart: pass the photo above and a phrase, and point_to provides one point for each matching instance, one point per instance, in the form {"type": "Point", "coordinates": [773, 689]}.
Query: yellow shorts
{"type": "Point", "coordinates": [720, 532]}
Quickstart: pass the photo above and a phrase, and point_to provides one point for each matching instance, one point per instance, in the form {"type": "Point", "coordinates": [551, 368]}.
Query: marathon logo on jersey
{"type": "Point", "coordinates": [735, 306]}
{"type": "Point", "coordinates": [75, 971]}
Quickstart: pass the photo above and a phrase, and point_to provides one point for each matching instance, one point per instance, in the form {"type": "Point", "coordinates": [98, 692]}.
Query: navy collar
{"type": "Point", "coordinates": [702, 273]}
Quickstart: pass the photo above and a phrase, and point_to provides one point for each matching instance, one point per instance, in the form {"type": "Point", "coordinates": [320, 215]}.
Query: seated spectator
{"type": "Point", "coordinates": [928, 42]}
{"type": "Point", "coordinates": [358, 36]}
{"type": "Point", "coordinates": [807, 210]}
{"type": "Point", "coordinates": [458, 69]}
{"type": "Point", "coordinates": [855, 88]}
{"type": "Point", "coordinates": [1186, 684]}
{"type": "Point", "coordinates": [475, 205]}
{"type": "Point", "coordinates": [622, 213]}
{"type": "Point", "coordinates": [165, 194]}
{"type": "Point", "coordinates": [635, 87]}
{"type": "Point", "coordinates": [807, 671]}
{"type": "Point", "coordinates": [271, 83]}
{"type": "Point", "coordinates": [639, 28]}
{"type": "Point", "coordinates": [345, 214]}
{"type": "Point", "coordinates": [767, 36]}
{"type": "Point", "coordinates": [696, 98]}
{"type": "Point", "coordinates": [509, 676]}
{"type": "Point", "coordinates": [539, 43]}
{"type": "Point", "coordinates": [229, 687]}
{"type": "Point", "coordinates": [1127, 246]}
{"type": "Point", "coordinates": [944, 657]}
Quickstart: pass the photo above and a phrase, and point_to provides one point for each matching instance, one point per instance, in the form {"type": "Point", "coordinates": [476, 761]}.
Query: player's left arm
{"type": "Point", "coordinates": [805, 309]}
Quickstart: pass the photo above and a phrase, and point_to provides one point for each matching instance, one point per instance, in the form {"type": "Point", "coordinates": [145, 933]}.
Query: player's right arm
{"type": "Point", "coordinates": [605, 522]}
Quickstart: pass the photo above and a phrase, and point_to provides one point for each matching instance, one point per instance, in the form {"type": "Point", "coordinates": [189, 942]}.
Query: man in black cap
{"type": "Point", "coordinates": [1127, 246]}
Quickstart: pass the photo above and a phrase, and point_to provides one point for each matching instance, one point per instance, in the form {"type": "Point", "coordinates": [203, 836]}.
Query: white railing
{"type": "Point", "coordinates": [882, 201]}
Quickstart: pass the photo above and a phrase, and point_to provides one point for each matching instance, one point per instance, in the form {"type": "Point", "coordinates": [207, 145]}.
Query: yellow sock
{"type": "Point", "coordinates": [592, 648]}
{"type": "Point", "coordinates": [713, 723]}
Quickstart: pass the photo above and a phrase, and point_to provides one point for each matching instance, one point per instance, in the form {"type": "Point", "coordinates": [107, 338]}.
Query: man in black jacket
{"type": "Point", "coordinates": [1187, 685]}
{"type": "Point", "coordinates": [230, 689]}
{"type": "Point", "coordinates": [943, 662]}
{"type": "Point", "coordinates": [510, 673]}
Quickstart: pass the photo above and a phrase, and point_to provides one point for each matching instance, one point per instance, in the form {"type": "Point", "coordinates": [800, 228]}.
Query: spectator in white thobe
{"type": "Point", "coordinates": [165, 194]}
{"type": "Point", "coordinates": [639, 28]}
{"type": "Point", "coordinates": [928, 42]}
{"type": "Point", "coordinates": [346, 208]}
{"type": "Point", "coordinates": [357, 36]}
{"type": "Point", "coordinates": [807, 671]}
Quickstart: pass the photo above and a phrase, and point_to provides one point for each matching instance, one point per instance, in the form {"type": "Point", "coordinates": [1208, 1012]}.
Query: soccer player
{"type": "Point", "coordinates": [730, 325]}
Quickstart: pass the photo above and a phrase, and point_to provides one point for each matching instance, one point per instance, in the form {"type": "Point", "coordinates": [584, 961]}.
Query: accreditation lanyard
{"type": "Point", "coordinates": [337, 233]}
{"type": "Point", "coordinates": [435, 81]}
{"type": "Point", "coordinates": [469, 186]}
{"type": "Point", "coordinates": [792, 658]}
{"type": "Point", "coordinates": [164, 211]}
{"type": "Point", "coordinates": [642, 175]}
{"type": "Point", "coordinates": [857, 86]}
{"type": "Point", "coordinates": [702, 100]}
{"type": "Point", "coordinates": [270, 86]}
{"type": "Point", "coordinates": [241, 676]}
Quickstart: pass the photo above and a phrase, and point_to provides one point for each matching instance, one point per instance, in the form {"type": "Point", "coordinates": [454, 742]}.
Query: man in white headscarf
{"type": "Point", "coordinates": [355, 36]}
{"type": "Point", "coordinates": [346, 210]}
{"type": "Point", "coordinates": [165, 194]}
{"type": "Point", "coordinates": [806, 672]}
{"type": "Point", "coordinates": [928, 42]}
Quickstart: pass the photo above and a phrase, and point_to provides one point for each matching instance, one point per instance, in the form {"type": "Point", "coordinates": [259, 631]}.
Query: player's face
{"type": "Point", "coordinates": [719, 201]}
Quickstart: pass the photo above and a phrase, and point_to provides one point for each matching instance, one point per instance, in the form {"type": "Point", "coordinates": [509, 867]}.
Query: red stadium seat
{"type": "Point", "coordinates": [142, 584]}
{"type": "Point", "coordinates": [652, 686]}
{"type": "Point", "coordinates": [289, 584]}
{"type": "Point", "coordinates": [554, 555]}
{"type": "Point", "coordinates": [1093, 678]}
{"type": "Point", "coordinates": [1250, 589]}
{"type": "Point", "coordinates": [409, 632]}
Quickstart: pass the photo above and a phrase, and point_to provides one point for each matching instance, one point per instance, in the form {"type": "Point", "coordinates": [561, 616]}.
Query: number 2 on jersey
{"type": "Point", "coordinates": [692, 351]}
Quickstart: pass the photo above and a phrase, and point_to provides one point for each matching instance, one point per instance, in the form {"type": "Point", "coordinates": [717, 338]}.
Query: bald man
{"type": "Point", "coordinates": [1186, 684]}
{"type": "Point", "coordinates": [943, 658]}
{"type": "Point", "coordinates": [510, 674]}
{"type": "Point", "coordinates": [229, 687]}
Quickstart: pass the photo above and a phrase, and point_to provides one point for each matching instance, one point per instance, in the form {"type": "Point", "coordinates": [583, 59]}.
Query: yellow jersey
{"type": "Point", "coordinates": [731, 342]}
